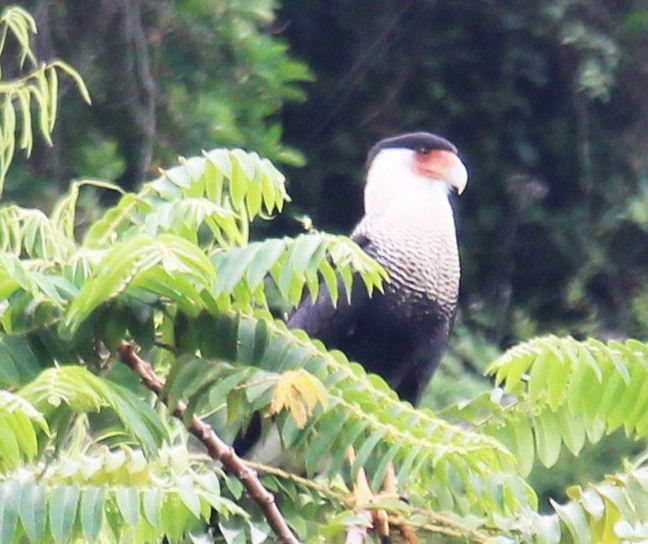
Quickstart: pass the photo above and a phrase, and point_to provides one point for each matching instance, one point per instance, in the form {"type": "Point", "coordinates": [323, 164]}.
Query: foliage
{"type": "Point", "coordinates": [545, 100]}
{"type": "Point", "coordinates": [547, 103]}
{"type": "Point", "coordinates": [165, 79]}
{"type": "Point", "coordinates": [232, 73]}
{"type": "Point", "coordinates": [35, 82]}
{"type": "Point", "coordinates": [159, 267]}
{"type": "Point", "coordinates": [86, 454]}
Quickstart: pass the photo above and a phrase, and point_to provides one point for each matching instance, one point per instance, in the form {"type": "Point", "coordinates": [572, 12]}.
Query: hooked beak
{"type": "Point", "coordinates": [444, 166]}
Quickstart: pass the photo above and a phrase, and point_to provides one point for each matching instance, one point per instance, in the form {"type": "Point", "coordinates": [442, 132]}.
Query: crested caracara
{"type": "Point", "coordinates": [409, 228]}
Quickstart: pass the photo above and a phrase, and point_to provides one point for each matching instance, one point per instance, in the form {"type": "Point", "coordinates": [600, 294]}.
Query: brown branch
{"type": "Point", "coordinates": [215, 446]}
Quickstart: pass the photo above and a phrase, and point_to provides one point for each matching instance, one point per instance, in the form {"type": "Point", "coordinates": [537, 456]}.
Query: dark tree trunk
{"type": "Point", "coordinates": [112, 43]}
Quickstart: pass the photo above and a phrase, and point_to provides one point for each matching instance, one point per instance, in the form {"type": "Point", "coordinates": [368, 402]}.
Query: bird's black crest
{"type": "Point", "coordinates": [413, 140]}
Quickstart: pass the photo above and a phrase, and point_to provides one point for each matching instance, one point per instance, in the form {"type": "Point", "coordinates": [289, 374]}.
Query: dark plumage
{"type": "Point", "coordinates": [409, 228]}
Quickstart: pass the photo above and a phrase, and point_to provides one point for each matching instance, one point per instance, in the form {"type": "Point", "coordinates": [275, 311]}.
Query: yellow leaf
{"type": "Point", "coordinates": [299, 392]}
{"type": "Point", "coordinates": [612, 516]}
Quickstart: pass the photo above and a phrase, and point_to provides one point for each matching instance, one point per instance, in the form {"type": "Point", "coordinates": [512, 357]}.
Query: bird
{"type": "Point", "coordinates": [401, 332]}
{"type": "Point", "coordinates": [408, 227]}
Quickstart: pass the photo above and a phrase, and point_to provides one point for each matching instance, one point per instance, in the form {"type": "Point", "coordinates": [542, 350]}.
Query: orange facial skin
{"type": "Point", "coordinates": [435, 163]}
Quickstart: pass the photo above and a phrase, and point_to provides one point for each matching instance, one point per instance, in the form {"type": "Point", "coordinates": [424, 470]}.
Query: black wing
{"type": "Point", "coordinates": [334, 324]}
{"type": "Point", "coordinates": [399, 334]}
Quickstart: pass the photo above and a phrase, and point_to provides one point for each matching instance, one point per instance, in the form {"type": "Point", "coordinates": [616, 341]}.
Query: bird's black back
{"type": "Point", "coordinates": [399, 334]}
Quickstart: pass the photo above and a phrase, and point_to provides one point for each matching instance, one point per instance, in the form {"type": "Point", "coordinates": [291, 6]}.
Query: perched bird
{"type": "Point", "coordinates": [409, 228]}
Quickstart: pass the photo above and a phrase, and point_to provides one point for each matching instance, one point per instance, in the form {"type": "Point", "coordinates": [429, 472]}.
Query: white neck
{"type": "Point", "coordinates": [394, 189]}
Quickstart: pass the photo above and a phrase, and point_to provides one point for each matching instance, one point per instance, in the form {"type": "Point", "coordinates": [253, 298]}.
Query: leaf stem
{"type": "Point", "coordinates": [435, 523]}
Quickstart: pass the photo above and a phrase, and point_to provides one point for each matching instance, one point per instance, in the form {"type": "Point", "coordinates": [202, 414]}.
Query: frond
{"type": "Point", "coordinates": [305, 261]}
{"type": "Point", "coordinates": [31, 233]}
{"type": "Point", "coordinates": [64, 212]}
{"type": "Point", "coordinates": [117, 496]}
{"type": "Point", "coordinates": [20, 24]}
{"type": "Point", "coordinates": [166, 266]}
{"type": "Point", "coordinates": [444, 461]}
{"type": "Point", "coordinates": [172, 269]}
{"type": "Point", "coordinates": [20, 423]}
{"type": "Point", "coordinates": [36, 90]}
{"type": "Point", "coordinates": [561, 391]}
{"type": "Point", "coordinates": [41, 265]}
{"type": "Point", "coordinates": [182, 240]}
{"type": "Point", "coordinates": [611, 511]}
{"type": "Point", "coordinates": [58, 392]}
{"type": "Point", "coordinates": [32, 293]}
{"type": "Point", "coordinates": [218, 195]}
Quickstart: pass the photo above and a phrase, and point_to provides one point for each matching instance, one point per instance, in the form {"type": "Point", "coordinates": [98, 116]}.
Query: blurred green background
{"type": "Point", "coordinates": [547, 101]}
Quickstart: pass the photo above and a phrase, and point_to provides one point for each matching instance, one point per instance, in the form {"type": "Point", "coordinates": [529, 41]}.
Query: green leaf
{"type": "Point", "coordinates": [132, 259]}
{"type": "Point", "coordinates": [406, 466]}
{"type": "Point", "coordinates": [571, 430]}
{"type": "Point", "coordinates": [33, 511]}
{"type": "Point", "coordinates": [63, 511]}
{"type": "Point", "coordinates": [234, 486]}
{"type": "Point", "coordinates": [128, 503]}
{"type": "Point", "coordinates": [16, 353]}
{"type": "Point", "coordinates": [240, 178]}
{"type": "Point", "coordinates": [23, 431]}
{"type": "Point", "coordinates": [8, 369]}
{"type": "Point", "coordinates": [152, 503]}
{"type": "Point", "coordinates": [547, 436]}
{"type": "Point", "coordinates": [366, 449]}
{"type": "Point", "coordinates": [572, 516]}
{"type": "Point", "coordinates": [75, 388]}
{"type": "Point", "coordinates": [511, 366]}
{"type": "Point", "coordinates": [523, 444]}
{"type": "Point", "coordinates": [189, 497]}
{"type": "Point", "coordinates": [231, 266]}
{"type": "Point", "coordinates": [187, 374]}
{"type": "Point", "coordinates": [265, 257]}
{"type": "Point", "coordinates": [303, 248]}
{"type": "Point", "coordinates": [638, 409]}
{"type": "Point", "coordinates": [142, 422]}
{"type": "Point", "coordinates": [221, 160]}
{"type": "Point", "coordinates": [610, 395]}
{"type": "Point", "coordinates": [539, 374]}
{"type": "Point", "coordinates": [328, 429]}
{"type": "Point", "coordinates": [9, 450]}
{"type": "Point", "coordinates": [382, 466]}
{"type": "Point", "coordinates": [233, 530]}
{"type": "Point", "coordinates": [91, 512]}
{"type": "Point", "coordinates": [10, 498]}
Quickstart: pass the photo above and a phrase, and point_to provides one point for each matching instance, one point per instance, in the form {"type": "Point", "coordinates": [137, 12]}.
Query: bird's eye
{"type": "Point", "coordinates": [423, 151]}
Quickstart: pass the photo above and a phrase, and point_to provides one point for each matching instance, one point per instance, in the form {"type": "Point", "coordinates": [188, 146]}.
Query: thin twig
{"type": "Point", "coordinates": [437, 524]}
{"type": "Point", "coordinates": [322, 489]}
{"type": "Point", "coordinates": [444, 521]}
{"type": "Point", "coordinates": [215, 446]}
{"type": "Point", "coordinates": [474, 536]}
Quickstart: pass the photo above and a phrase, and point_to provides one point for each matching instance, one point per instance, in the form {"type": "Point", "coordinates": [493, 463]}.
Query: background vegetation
{"type": "Point", "coordinates": [546, 102]}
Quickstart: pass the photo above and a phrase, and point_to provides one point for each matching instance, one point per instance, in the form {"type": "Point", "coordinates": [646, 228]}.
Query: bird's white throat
{"type": "Point", "coordinates": [394, 189]}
